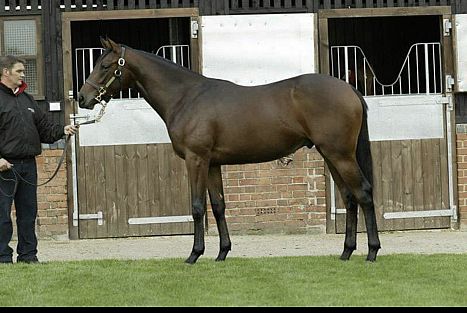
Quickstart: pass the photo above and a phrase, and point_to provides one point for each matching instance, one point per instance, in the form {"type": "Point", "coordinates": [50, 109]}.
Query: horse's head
{"type": "Point", "coordinates": [107, 78]}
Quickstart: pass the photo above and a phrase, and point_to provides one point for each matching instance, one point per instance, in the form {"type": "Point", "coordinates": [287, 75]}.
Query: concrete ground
{"type": "Point", "coordinates": [424, 242]}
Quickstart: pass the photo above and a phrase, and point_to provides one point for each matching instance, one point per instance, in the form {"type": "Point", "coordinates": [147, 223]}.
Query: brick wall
{"type": "Point", "coordinates": [275, 198]}
{"type": "Point", "coordinates": [52, 198]}
{"type": "Point", "coordinates": [462, 174]}
{"type": "Point", "coordinates": [52, 220]}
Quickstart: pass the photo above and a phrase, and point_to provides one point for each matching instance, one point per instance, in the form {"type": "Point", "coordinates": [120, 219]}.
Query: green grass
{"type": "Point", "coordinates": [394, 280]}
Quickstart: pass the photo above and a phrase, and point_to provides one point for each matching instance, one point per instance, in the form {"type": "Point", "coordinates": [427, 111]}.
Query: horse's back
{"type": "Point", "coordinates": [326, 90]}
{"type": "Point", "coordinates": [241, 124]}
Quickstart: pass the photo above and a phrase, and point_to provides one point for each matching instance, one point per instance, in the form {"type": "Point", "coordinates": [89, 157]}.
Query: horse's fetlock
{"type": "Point", "coordinates": [226, 247]}
{"type": "Point", "coordinates": [374, 246]}
{"type": "Point", "coordinates": [198, 251]}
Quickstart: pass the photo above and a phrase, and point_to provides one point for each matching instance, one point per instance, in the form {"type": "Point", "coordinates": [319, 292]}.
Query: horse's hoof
{"type": "Point", "coordinates": [192, 259]}
{"type": "Point", "coordinates": [371, 257]}
{"type": "Point", "coordinates": [345, 256]}
{"type": "Point", "coordinates": [222, 255]}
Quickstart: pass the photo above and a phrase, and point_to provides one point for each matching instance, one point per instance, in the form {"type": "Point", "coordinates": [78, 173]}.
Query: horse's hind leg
{"type": "Point", "coordinates": [351, 205]}
{"type": "Point", "coordinates": [362, 190]}
{"type": "Point", "coordinates": [198, 174]}
{"type": "Point", "coordinates": [351, 174]}
{"type": "Point", "coordinates": [350, 243]}
{"type": "Point", "coordinates": [216, 195]}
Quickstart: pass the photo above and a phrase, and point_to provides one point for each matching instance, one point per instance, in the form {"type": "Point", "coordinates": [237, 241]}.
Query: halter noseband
{"type": "Point", "coordinates": [102, 90]}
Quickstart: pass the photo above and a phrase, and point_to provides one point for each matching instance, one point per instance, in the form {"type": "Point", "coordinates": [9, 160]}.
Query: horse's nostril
{"type": "Point", "coordinates": [80, 98]}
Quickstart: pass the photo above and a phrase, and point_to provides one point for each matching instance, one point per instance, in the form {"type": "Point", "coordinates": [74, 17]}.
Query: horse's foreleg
{"type": "Point", "coordinates": [216, 195]}
{"type": "Point", "coordinates": [351, 206]}
{"type": "Point", "coordinates": [197, 173]}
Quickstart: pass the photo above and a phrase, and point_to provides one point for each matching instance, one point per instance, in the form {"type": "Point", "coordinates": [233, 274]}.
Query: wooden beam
{"type": "Point", "coordinates": [373, 12]}
{"type": "Point", "coordinates": [129, 14]}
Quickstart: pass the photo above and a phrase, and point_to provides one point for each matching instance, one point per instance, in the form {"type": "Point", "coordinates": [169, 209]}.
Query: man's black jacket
{"type": "Point", "coordinates": [23, 125]}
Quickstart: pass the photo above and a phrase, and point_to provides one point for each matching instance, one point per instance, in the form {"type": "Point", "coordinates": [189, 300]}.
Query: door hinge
{"type": "Point", "coordinates": [447, 27]}
{"type": "Point", "coordinates": [449, 83]}
{"type": "Point", "coordinates": [194, 29]}
{"type": "Point", "coordinates": [448, 101]}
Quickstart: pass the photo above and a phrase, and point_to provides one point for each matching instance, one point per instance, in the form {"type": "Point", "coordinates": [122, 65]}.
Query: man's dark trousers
{"type": "Point", "coordinates": [25, 198]}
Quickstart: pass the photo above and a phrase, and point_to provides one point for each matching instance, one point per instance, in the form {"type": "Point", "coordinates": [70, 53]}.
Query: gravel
{"type": "Point", "coordinates": [158, 247]}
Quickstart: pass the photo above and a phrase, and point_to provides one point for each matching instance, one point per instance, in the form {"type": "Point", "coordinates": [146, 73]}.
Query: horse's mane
{"type": "Point", "coordinates": [156, 58]}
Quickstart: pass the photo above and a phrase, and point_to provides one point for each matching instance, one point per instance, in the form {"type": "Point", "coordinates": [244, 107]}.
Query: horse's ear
{"type": "Point", "coordinates": [112, 45]}
{"type": "Point", "coordinates": [105, 43]}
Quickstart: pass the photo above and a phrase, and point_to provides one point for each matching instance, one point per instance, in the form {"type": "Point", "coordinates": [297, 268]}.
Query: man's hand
{"type": "Point", "coordinates": [5, 165]}
{"type": "Point", "coordinates": [71, 129]}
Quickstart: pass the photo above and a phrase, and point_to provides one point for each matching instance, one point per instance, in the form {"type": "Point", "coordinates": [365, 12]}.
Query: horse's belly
{"type": "Point", "coordinates": [246, 150]}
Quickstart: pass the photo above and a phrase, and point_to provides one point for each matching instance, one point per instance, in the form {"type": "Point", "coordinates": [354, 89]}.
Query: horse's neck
{"type": "Point", "coordinates": [161, 83]}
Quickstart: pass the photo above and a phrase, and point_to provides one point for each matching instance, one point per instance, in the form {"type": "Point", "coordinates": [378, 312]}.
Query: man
{"type": "Point", "coordinates": [23, 127]}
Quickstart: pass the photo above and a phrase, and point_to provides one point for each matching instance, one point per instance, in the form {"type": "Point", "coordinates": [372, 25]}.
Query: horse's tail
{"type": "Point", "coordinates": [363, 145]}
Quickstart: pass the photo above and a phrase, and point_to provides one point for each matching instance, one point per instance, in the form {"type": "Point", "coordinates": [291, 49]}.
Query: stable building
{"type": "Point", "coordinates": [121, 177]}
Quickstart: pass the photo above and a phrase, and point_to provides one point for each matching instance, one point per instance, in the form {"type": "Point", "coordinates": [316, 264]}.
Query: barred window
{"type": "Point", "coordinates": [21, 38]}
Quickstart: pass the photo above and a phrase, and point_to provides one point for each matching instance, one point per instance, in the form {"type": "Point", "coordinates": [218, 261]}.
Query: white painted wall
{"type": "Point", "coordinates": [258, 49]}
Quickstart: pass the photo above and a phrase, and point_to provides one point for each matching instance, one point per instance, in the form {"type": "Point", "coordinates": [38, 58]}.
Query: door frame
{"type": "Point", "coordinates": [448, 64]}
{"type": "Point", "coordinates": [67, 18]}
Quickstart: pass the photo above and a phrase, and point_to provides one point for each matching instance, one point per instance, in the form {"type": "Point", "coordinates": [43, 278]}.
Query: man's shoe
{"type": "Point", "coordinates": [28, 261]}
{"type": "Point", "coordinates": [6, 262]}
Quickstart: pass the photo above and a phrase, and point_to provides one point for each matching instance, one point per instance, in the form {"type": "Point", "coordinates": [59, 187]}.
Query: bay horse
{"type": "Point", "coordinates": [212, 122]}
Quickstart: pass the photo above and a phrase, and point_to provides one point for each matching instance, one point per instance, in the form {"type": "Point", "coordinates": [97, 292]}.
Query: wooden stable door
{"type": "Point", "coordinates": [408, 176]}
{"type": "Point", "coordinates": [410, 118]}
{"type": "Point", "coordinates": [132, 190]}
{"type": "Point", "coordinates": [124, 177]}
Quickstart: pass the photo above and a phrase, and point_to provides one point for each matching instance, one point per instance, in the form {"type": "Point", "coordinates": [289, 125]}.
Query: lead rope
{"type": "Point", "coordinates": [18, 175]}
{"type": "Point", "coordinates": [56, 170]}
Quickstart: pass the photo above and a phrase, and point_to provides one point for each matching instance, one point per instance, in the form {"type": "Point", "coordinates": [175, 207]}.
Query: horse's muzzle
{"type": "Point", "coordinates": [85, 103]}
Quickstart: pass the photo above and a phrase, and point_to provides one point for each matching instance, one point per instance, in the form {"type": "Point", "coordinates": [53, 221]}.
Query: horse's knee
{"type": "Point", "coordinates": [197, 210]}
{"type": "Point", "coordinates": [218, 209]}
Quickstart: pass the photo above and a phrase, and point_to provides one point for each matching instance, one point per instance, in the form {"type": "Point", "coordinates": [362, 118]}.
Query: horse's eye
{"type": "Point", "coordinates": [105, 66]}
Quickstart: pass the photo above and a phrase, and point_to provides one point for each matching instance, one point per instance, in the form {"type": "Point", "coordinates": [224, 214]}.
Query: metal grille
{"type": "Point", "coordinates": [20, 37]}
{"type": "Point", "coordinates": [85, 59]}
{"type": "Point", "coordinates": [31, 76]}
{"type": "Point", "coordinates": [179, 54]}
{"type": "Point", "coordinates": [421, 72]}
